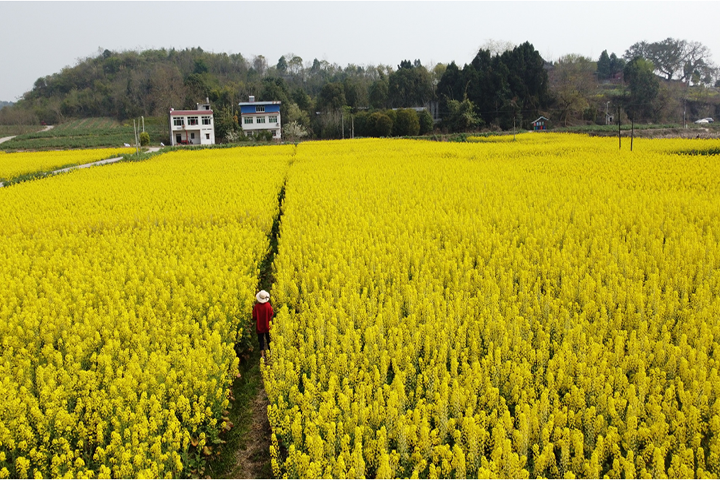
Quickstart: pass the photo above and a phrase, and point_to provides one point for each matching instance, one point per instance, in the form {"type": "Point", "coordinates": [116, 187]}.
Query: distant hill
{"type": "Point", "coordinates": [125, 85]}
{"type": "Point", "coordinates": [5, 104]}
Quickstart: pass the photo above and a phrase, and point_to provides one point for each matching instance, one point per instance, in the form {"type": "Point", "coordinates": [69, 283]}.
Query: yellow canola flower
{"type": "Point", "coordinates": [15, 164]}
{"type": "Point", "coordinates": [123, 291]}
{"type": "Point", "coordinates": [540, 308]}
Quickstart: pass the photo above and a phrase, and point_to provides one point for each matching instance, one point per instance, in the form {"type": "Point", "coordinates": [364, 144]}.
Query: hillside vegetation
{"type": "Point", "coordinates": [501, 88]}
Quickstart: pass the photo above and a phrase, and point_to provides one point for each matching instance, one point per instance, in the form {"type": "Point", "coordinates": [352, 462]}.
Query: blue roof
{"type": "Point", "coordinates": [269, 107]}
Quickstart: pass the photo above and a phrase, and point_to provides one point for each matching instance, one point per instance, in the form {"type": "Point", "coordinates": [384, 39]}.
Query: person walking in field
{"type": "Point", "coordinates": [262, 314]}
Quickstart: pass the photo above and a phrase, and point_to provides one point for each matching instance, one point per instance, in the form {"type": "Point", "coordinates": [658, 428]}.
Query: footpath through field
{"type": "Point", "coordinates": [86, 165]}
{"type": "Point", "coordinates": [99, 162]}
{"type": "Point", "coordinates": [5, 139]}
{"type": "Point", "coordinates": [252, 459]}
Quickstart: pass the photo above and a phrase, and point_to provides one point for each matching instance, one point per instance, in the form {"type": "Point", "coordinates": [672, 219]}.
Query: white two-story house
{"type": "Point", "coordinates": [192, 127]}
{"type": "Point", "coordinates": [260, 116]}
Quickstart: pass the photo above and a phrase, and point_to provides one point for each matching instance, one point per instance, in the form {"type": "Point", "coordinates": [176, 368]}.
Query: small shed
{"type": "Point", "coordinates": [540, 124]}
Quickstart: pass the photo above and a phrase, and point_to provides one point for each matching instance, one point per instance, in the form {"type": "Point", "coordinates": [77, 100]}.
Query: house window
{"type": "Point", "coordinates": [260, 120]}
{"type": "Point", "coordinates": [207, 136]}
{"type": "Point", "coordinates": [192, 120]}
{"type": "Point", "coordinates": [272, 119]}
{"type": "Point", "coordinates": [192, 135]}
{"type": "Point", "coordinates": [178, 121]}
{"type": "Point", "coordinates": [248, 121]}
{"type": "Point", "coordinates": [207, 120]}
{"type": "Point", "coordinates": [259, 109]}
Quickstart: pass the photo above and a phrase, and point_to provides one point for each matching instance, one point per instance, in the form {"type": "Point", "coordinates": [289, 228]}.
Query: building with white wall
{"type": "Point", "coordinates": [192, 127]}
{"type": "Point", "coordinates": [260, 116]}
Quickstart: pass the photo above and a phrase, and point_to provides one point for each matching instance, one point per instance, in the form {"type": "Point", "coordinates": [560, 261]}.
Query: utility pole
{"type": "Point", "coordinates": [342, 122]}
{"type": "Point", "coordinates": [143, 123]}
{"type": "Point", "coordinates": [607, 113]}
{"type": "Point", "coordinates": [619, 139]}
{"type": "Point", "coordinates": [352, 126]}
{"type": "Point", "coordinates": [632, 132]}
{"type": "Point", "coordinates": [137, 152]}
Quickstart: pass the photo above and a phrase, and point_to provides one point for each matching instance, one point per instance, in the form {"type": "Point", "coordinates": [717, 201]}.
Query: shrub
{"type": "Point", "coordinates": [407, 123]}
{"type": "Point", "coordinates": [144, 139]}
{"type": "Point", "coordinates": [426, 122]}
{"type": "Point", "coordinates": [379, 125]}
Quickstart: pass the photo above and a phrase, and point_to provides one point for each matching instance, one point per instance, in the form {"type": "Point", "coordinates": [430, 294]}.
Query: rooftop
{"type": "Point", "coordinates": [190, 112]}
{"type": "Point", "coordinates": [260, 103]}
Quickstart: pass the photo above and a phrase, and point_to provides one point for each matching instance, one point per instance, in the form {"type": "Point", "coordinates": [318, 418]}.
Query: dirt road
{"type": "Point", "coordinates": [86, 165]}
{"type": "Point", "coordinates": [47, 127]}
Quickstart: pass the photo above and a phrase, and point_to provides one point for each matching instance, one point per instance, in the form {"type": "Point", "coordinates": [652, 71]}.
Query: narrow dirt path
{"type": "Point", "coordinates": [92, 164]}
{"type": "Point", "coordinates": [47, 127]}
{"type": "Point", "coordinates": [252, 459]}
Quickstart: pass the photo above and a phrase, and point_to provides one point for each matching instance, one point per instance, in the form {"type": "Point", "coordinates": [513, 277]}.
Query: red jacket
{"type": "Point", "coordinates": [262, 314]}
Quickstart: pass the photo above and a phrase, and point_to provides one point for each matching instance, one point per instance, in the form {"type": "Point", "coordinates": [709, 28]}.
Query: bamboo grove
{"type": "Point", "coordinates": [544, 307]}
{"type": "Point", "coordinates": [541, 308]}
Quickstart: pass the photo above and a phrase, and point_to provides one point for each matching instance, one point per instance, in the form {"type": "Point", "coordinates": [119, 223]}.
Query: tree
{"type": "Point", "coordinates": [302, 99]}
{"type": "Point", "coordinates": [166, 89]}
{"type": "Point", "coordinates": [643, 85]}
{"type": "Point", "coordinates": [295, 65]}
{"type": "Point", "coordinates": [296, 115]}
{"type": "Point", "coordinates": [355, 94]}
{"type": "Point", "coordinates": [426, 122]}
{"type": "Point", "coordinates": [293, 131]}
{"type": "Point", "coordinates": [226, 123]}
{"type": "Point", "coordinates": [501, 88]}
{"type": "Point", "coordinates": [573, 84]}
{"type": "Point", "coordinates": [639, 49]}
{"type": "Point", "coordinates": [282, 65]}
{"type": "Point", "coordinates": [274, 89]}
{"type": "Point", "coordinates": [452, 86]}
{"type": "Point", "coordinates": [260, 65]}
{"type": "Point", "coordinates": [617, 65]}
{"type": "Point", "coordinates": [437, 73]}
{"type": "Point", "coordinates": [667, 56]}
{"type": "Point", "coordinates": [332, 97]}
{"type": "Point", "coordinates": [676, 58]}
{"type": "Point", "coordinates": [379, 125]}
{"type": "Point", "coordinates": [497, 47]}
{"type": "Point", "coordinates": [461, 116]}
{"type": "Point", "coordinates": [197, 88]}
{"type": "Point", "coordinates": [697, 66]}
{"type": "Point", "coordinates": [603, 66]}
{"type": "Point", "coordinates": [407, 123]}
{"type": "Point", "coordinates": [379, 92]}
{"type": "Point", "coordinates": [411, 85]}
{"type": "Point", "coordinates": [200, 67]}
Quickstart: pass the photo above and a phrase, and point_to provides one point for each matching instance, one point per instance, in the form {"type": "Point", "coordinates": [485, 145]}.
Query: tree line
{"type": "Point", "coordinates": [503, 87]}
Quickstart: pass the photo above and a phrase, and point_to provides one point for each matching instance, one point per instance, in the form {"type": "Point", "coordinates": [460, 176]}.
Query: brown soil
{"type": "Point", "coordinates": [252, 459]}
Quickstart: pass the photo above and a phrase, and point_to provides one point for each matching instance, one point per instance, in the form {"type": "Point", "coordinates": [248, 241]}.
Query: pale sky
{"type": "Point", "coordinates": [40, 38]}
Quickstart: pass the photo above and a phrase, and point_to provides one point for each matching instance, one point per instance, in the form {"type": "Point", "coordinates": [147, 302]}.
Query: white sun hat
{"type": "Point", "coordinates": [262, 296]}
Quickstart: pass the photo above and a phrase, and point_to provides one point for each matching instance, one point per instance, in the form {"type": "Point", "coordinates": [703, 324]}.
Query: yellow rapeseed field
{"type": "Point", "coordinates": [16, 164]}
{"type": "Point", "coordinates": [122, 292]}
{"type": "Point", "coordinates": [548, 307]}
{"type": "Point", "coordinates": [544, 307]}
